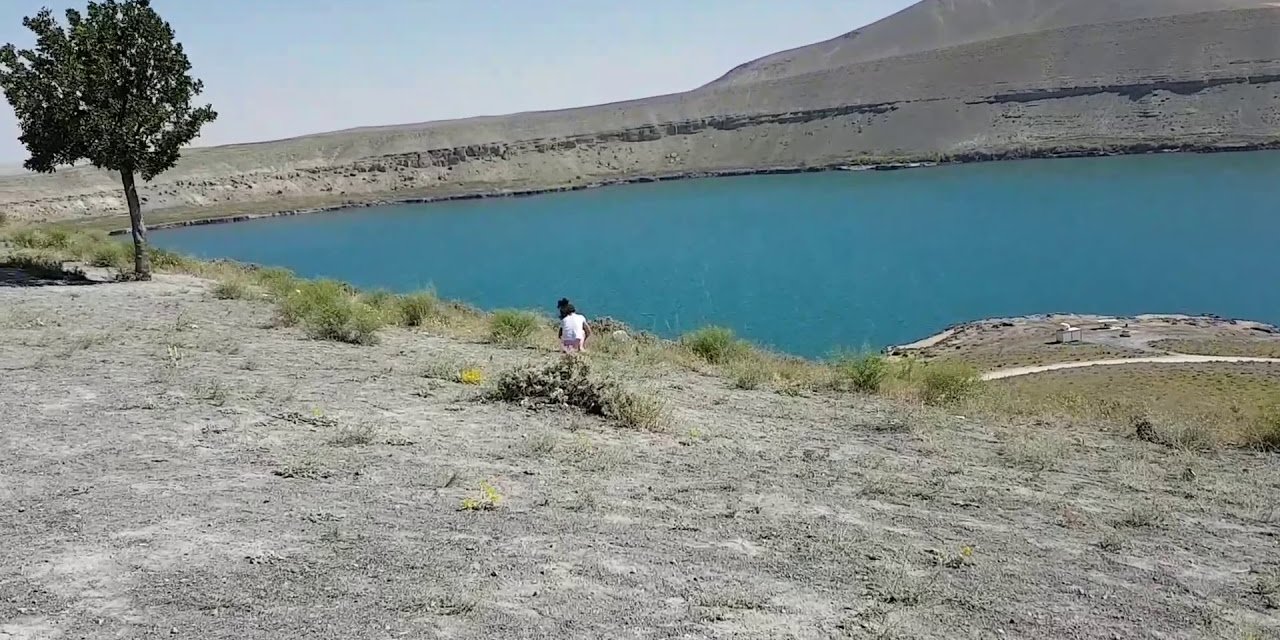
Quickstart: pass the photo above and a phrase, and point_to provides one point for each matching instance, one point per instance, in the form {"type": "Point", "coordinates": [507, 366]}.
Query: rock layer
{"type": "Point", "coordinates": [1054, 78]}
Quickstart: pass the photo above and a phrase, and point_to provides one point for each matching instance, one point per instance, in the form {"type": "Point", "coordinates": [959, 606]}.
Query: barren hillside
{"type": "Point", "coordinates": [954, 79]}
{"type": "Point", "coordinates": [174, 469]}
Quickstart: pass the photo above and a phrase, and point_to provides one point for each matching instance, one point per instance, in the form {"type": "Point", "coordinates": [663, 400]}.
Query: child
{"type": "Point", "coordinates": [574, 330]}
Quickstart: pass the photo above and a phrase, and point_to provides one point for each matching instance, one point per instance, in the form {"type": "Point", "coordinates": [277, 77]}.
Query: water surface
{"type": "Point", "coordinates": [814, 262]}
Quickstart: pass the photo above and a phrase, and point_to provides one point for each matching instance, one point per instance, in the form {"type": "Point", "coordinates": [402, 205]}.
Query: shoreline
{"type": "Point", "coordinates": [958, 159]}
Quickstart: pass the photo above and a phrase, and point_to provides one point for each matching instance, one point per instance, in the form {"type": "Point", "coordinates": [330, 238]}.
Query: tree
{"type": "Point", "coordinates": [112, 87]}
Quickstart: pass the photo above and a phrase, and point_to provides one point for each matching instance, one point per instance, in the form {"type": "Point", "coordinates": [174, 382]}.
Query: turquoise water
{"type": "Point", "coordinates": [814, 262]}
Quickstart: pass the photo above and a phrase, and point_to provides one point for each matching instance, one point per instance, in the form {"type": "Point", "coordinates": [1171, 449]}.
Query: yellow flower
{"type": "Point", "coordinates": [471, 376]}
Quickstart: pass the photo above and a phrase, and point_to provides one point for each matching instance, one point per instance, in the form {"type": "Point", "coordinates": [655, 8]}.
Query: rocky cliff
{"type": "Point", "coordinates": [945, 79]}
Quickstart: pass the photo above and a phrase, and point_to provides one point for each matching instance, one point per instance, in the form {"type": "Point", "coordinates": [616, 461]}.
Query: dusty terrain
{"type": "Point", "coordinates": [954, 80]}
{"type": "Point", "coordinates": [1008, 343]}
{"type": "Point", "coordinates": [173, 467]}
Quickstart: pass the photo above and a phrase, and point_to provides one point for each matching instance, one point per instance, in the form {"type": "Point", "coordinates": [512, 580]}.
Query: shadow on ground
{"type": "Point", "coordinates": [19, 277]}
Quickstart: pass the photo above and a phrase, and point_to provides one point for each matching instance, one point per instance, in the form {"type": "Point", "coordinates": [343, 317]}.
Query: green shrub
{"type": "Point", "coordinates": [308, 297]}
{"type": "Point", "coordinates": [634, 410]}
{"type": "Point", "coordinates": [716, 345]}
{"type": "Point", "coordinates": [110, 254]}
{"type": "Point", "coordinates": [56, 238]}
{"type": "Point", "coordinates": [348, 321]}
{"type": "Point", "coordinates": [163, 258]}
{"type": "Point", "coordinates": [40, 261]}
{"type": "Point", "coordinates": [276, 281]}
{"type": "Point", "coordinates": [948, 382]}
{"type": "Point", "coordinates": [864, 373]}
{"type": "Point", "coordinates": [1266, 434]}
{"type": "Point", "coordinates": [233, 289]}
{"type": "Point", "coordinates": [386, 303]}
{"type": "Point", "coordinates": [418, 308]}
{"type": "Point", "coordinates": [513, 327]}
{"type": "Point", "coordinates": [748, 375]}
{"type": "Point", "coordinates": [327, 310]}
{"type": "Point", "coordinates": [568, 382]}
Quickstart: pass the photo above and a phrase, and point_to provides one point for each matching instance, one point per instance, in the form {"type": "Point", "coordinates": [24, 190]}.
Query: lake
{"type": "Point", "coordinates": [811, 263]}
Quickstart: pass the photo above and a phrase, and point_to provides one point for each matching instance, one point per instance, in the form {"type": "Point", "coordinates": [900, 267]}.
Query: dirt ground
{"type": "Point", "coordinates": [1016, 342]}
{"type": "Point", "coordinates": [175, 467]}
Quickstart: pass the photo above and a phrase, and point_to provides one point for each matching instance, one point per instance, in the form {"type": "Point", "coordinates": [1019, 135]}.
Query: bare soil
{"type": "Point", "coordinates": [173, 466]}
{"type": "Point", "coordinates": [1030, 341]}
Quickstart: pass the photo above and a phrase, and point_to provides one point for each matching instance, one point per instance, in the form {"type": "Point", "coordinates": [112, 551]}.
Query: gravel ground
{"type": "Point", "coordinates": [173, 466]}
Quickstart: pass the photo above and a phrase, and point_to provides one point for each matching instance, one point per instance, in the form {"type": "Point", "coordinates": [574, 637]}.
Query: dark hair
{"type": "Point", "coordinates": [567, 309]}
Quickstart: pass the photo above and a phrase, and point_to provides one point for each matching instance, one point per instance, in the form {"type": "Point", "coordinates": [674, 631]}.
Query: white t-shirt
{"type": "Point", "coordinates": [573, 327]}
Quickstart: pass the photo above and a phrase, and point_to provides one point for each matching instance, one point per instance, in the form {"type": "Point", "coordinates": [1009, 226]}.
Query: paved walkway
{"type": "Point", "coordinates": [1176, 358]}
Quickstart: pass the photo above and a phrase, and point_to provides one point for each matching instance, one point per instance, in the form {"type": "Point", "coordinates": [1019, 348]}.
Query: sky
{"type": "Point", "coordinates": [280, 68]}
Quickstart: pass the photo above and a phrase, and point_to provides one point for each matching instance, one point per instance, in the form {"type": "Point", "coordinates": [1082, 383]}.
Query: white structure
{"type": "Point", "coordinates": [1068, 334]}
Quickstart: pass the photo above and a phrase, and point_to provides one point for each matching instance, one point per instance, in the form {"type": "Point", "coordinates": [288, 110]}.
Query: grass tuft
{"type": "Point", "coordinates": [716, 345]}
{"type": "Point", "coordinates": [327, 310]}
{"type": "Point", "coordinates": [513, 327]}
{"type": "Point", "coordinates": [569, 382]}
{"type": "Point", "coordinates": [864, 373]}
{"type": "Point", "coordinates": [233, 289]}
{"type": "Point", "coordinates": [416, 309]}
{"type": "Point", "coordinates": [944, 383]}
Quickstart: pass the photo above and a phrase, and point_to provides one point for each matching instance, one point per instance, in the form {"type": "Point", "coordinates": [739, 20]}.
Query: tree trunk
{"type": "Point", "coordinates": [141, 259]}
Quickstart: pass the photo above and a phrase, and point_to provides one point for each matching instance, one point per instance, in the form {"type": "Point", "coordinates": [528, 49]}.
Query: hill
{"type": "Point", "coordinates": [174, 467]}
{"type": "Point", "coordinates": [960, 79]}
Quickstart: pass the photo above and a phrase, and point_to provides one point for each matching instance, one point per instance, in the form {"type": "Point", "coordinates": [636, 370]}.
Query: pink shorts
{"type": "Point", "coordinates": [571, 345]}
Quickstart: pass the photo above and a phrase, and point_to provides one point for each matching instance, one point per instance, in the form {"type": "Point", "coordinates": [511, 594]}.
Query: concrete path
{"type": "Point", "coordinates": [1175, 358]}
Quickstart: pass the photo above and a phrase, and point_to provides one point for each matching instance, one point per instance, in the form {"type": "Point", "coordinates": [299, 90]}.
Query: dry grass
{"type": "Point", "coordinates": [1255, 348]}
{"type": "Point", "coordinates": [1195, 407]}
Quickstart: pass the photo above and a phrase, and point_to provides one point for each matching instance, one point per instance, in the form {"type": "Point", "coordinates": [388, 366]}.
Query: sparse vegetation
{"type": "Point", "coordinates": [328, 310]}
{"type": "Point", "coordinates": [863, 372]}
{"type": "Point", "coordinates": [636, 410]}
{"type": "Point", "coordinates": [488, 500]}
{"type": "Point", "coordinates": [352, 435]}
{"type": "Point", "coordinates": [416, 309]}
{"type": "Point", "coordinates": [716, 345]}
{"type": "Point", "coordinates": [513, 327]}
{"type": "Point", "coordinates": [233, 289]}
{"type": "Point", "coordinates": [948, 382]}
{"type": "Point", "coordinates": [568, 382]}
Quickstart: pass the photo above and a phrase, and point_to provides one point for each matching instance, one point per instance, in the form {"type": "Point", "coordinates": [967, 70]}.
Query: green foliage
{"type": "Point", "coordinates": [327, 310]}
{"type": "Point", "coordinates": [275, 280]}
{"type": "Point", "coordinates": [110, 254]}
{"type": "Point", "coordinates": [569, 382]}
{"type": "Point", "coordinates": [233, 289]}
{"type": "Point", "coordinates": [41, 261]}
{"type": "Point", "coordinates": [513, 327]}
{"type": "Point", "coordinates": [352, 322]}
{"type": "Point", "coordinates": [165, 259]}
{"type": "Point", "coordinates": [489, 499]}
{"type": "Point", "coordinates": [112, 87]}
{"type": "Point", "coordinates": [418, 308]}
{"type": "Point", "coordinates": [948, 382]}
{"type": "Point", "coordinates": [748, 375]}
{"type": "Point", "coordinates": [634, 410]}
{"type": "Point", "coordinates": [1266, 435]}
{"type": "Point", "coordinates": [716, 345]}
{"type": "Point", "coordinates": [386, 303]}
{"type": "Point", "coordinates": [864, 373]}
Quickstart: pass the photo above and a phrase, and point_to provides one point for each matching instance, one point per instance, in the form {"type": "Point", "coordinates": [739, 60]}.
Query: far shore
{"type": "Point", "coordinates": [196, 216]}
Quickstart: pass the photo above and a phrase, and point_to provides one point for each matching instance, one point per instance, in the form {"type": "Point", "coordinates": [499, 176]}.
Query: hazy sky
{"type": "Point", "coordinates": [280, 68]}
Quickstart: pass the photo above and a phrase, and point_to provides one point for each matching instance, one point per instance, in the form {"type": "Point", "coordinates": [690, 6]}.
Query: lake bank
{"type": "Point", "coordinates": [816, 262]}
{"type": "Point", "coordinates": [199, 216]}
